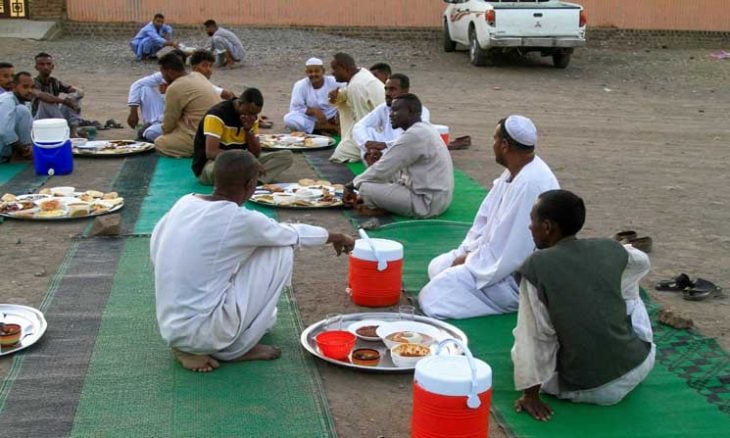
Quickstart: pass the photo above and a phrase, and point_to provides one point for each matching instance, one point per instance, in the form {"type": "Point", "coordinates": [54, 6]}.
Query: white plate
{"type": "Point", "coordinates": [31, 320]}
{"type": "Point", "coordinates": [97, 144]}
{"type": "Point", "coordinates": [407, 326]}
{"type": "Point", "coordinates": [356, 325]}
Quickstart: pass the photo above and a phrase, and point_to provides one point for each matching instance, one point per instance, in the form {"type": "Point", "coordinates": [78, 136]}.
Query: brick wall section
{"type": "Point", "coordinates": [47, 9]}
{"type": "Point", "coordinates": [597, 37]}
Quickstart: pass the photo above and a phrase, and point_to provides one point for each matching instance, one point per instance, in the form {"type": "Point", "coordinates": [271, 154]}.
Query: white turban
{"type": "Point", "coordinates": [314, 62]}
{"type": "Point", "coordinates": [521, 129]}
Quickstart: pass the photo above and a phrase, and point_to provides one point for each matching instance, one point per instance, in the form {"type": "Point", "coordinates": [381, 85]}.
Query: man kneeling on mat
{"type": "Point", "coordinates": [220, 268]}
{"type": "Point", "coordinates": [583, 333]}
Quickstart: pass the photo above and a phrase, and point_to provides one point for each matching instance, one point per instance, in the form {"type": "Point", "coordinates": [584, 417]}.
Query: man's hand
{"type": "Point", "coordinates": [318, 113]}
{"type": "Point", "coordinates": [349, 197]}
{"type": "Point", "coordinates": [227, 95]}
{"type": "Point", "coordinates": [459, 260]}
{"type": "Point", "coordinates": [341, 242]}
{"type": "Point", "coordinates": [70, 103]}
{"type": "Point", "coordinates": [333, 95]}
{"type": "Point", "coordinates": [133, 118]}
{"type": "Point", "coordinates": [531, 403]}
{"type": "Point", "coordinates": [376, 145]}
{"type": "Point", "coordinates": [372, 156]}
{"type": "Point", "coordinates": [248, 120]}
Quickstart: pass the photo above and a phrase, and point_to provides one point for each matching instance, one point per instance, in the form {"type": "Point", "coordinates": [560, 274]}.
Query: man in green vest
{"type": "Point", "coordinates": [583, 333]}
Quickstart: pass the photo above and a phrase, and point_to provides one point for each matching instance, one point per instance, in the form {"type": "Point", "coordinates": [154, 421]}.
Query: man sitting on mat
{"type": "Point", "coordinates": [478, 277]}
{"type": "Point", "coordinates": [310, 110]}
{"type": "Point", "coordinates": [416, 178]}
{"type": "Point", "coordinates": [189, 96]}
{"type": "Point", "coordinates": [374, 133]}
{"type": "Point", "coordinates": [151, 38]}
{"type": "Point", "coordinates": [219, 269]}
{"type": "Point", "coordinates": [233, 124]}
{"type": "Point", "coordinates": [16, 122]}
{"type": "Point", "coordinates": [583, 333]}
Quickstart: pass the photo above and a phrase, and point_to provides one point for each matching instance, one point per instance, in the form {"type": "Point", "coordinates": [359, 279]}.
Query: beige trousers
{"type": "Point", "coordinates": [274, 164]}
{"type": "Point", "coordinates": [177, 144]}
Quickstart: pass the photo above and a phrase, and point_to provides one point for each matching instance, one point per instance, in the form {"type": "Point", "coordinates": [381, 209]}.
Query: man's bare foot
{"type": "Point", "coordinates": [260, 352]}
{"type": "Point", "coordinates": [363, 210]}
{"type": "Point", "coordinates": [200, 363]}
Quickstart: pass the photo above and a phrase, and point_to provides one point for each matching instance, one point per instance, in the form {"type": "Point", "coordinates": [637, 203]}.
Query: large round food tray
{"type": "Point", "coordinates": [35, 196]}
{"type": "Point", "coordinates": [386, 364]}
{"type": "Point", "coordinates": [278, 142]}
{"type": "Point", "coordinates": [263, 196]}
{"type": "Point", "coordinates": [113, 148]}
{"type": "Point", "coordinates": [31, 320]}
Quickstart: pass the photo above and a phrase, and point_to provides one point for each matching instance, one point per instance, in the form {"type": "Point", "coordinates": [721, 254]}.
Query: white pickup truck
{"type": "Point", "coordinates": [488, 28]}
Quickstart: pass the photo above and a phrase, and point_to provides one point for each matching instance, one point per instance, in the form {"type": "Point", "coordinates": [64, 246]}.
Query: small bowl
{"type": "Point", "coordinates": [64, 191]}
{"type": "Point", "coordinates": [409, 361]}
{"type": "Point", "coordinates": [79, 142]}
{"type": "Point", "coordinates": [308, 194]}
{"type": "Point", "coordinates": [336, 344]}
{"type": "Point", "coordinates": [365, 356]}
{"type": "Point", "coordinates": [10, 335]}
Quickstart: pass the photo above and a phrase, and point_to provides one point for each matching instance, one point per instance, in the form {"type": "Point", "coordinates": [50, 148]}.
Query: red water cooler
{"type": "Point", "coordinates": [451, 395]}
{"type": "Point", "coordinates": [375, 272]}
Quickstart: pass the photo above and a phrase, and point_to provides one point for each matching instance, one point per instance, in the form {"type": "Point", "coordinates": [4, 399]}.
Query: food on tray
{"type": "Point", "coordinates": [112, 202]}
{"type": "Point", "coordinates": [273, 188]}
{"type": "Point", "coordinates": [8, 197]}
{"type": "Point", "coordinates": [409, 337]}
{"type": "Point", "coordinates": [265, 198]}
{"type": "Point", "coordinates": [338, 187]}
{"type": "Point", "coordinates": [63, 191]}
{"type": "Point", "coordinates": [110, 195]}
{"type": "Point", "coordinates": [366, 356]}
{"type": "Point", "coordinates": [45, 191]}
{"type": "Point", "coordinates": [368, 331]}
{"type": "Point", "coordinates": [322, 182]}
{"type": "Point", "coordinates": [80, 209]}
{"type": "Point", "coordinates": [298, 134]}
{"type": "Point", "coordinates": [52, 213]}
{"type": "Point", "coordinates": [306, 182]}
{"type": "Point", "coordinates": [50, 205]}
{"type": "Point", "coordinates": [412, 350]}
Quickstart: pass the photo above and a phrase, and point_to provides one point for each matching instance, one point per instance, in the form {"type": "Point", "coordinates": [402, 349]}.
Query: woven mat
{"type": "Point", "coordinates": [9, 170]}
{"type": "Point", "coordinates": [675, 400]}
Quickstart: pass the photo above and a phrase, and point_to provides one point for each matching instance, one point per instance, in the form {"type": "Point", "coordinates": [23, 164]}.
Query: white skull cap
{"type": "Point", "coordinates": [522, 130]}
{"type": "Point", "coordinates": [314, 62]}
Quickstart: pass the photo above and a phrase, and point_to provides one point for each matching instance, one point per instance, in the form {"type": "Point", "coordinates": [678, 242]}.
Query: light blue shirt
{"type": "Point", "coordinates": [149, 31]}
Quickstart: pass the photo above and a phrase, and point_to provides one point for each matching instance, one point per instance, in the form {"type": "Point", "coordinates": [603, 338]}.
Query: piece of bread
{"type": "Point", "coordinates": [45, 191]}
{"type": "Point", "coordinates": [306, 182]}
{"type": "Point", "coordinates": [114, 201]}
{"type": "Point", "coordinates": [8, 197]}
{"type": "Point", "coordinates": [322, 182]}
{"type": "Point", "coordinates": [50, 205]}
{"type": "Point", "coordinates": [52, 213]}
{"type": "Point", "coordinates": [110, 195]}
{"type": "Point", "coordinates": [78, 210]}
{"type": "Point", "coordinates": [94, 193]}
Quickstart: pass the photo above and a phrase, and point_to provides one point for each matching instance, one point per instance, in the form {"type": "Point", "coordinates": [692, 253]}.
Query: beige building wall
{"type": "Point", "coordinates": [707, 15]}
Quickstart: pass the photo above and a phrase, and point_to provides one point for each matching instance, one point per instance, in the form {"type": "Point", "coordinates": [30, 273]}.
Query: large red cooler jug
{"type": "Point", "coordinates": [376, 272]}
{"type": "Point", "coordinates": [451, 395]}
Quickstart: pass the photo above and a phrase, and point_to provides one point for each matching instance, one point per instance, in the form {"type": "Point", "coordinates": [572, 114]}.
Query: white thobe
{"type": "Point", "coordinates": [497, 244]}
{"type": "Point", "coordinates": [219, 271]}
{"type": "Point", "coordinates": [535, 352]}
{"type": "Point", "coordinates": [376, 126]}
{"type": "Point", "coordinates": [145, 94]}
{"type": "Point", "coordinates": [364, 92]}
{"type": "Point", "coordinates": [304, 96]}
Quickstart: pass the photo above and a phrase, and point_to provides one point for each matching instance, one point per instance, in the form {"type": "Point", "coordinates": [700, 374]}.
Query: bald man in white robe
{"type": "Point", "coordinates": [220, 269]}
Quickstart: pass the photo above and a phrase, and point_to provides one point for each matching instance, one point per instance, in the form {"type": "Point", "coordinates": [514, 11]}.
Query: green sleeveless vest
{"type": "Point", "coordinates": [579, 281]}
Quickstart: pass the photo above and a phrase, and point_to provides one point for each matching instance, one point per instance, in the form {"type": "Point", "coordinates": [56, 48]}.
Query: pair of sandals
{"type": "Point", "coordinates": [631, 237]}
{"type": "Point", "coordinates": [692, 290]}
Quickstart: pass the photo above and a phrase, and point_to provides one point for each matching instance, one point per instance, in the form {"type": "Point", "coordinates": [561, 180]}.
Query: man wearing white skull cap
{"type": "Point", "coordinates": [310, 108]}
{"type": "Point", "coordinates": [479, 277]}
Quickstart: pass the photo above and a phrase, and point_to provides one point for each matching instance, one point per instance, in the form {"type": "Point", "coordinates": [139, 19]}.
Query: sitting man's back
{"type": "Point", "coordinates": [582, 331]}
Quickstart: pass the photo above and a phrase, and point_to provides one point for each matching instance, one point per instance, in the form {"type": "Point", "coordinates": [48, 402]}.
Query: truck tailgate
{"type": "Point", "coordinates": [531, 21]}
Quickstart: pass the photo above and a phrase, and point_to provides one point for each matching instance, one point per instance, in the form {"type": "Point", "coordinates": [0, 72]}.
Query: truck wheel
{"type": "Point", "coordinates": [477, 55]}
{"type": "Point", "coordinates": [561, 60]}
{"type": "Point", "coordinates": [449, 45]}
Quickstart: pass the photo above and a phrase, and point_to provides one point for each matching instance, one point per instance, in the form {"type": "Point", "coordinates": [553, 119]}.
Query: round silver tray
{"type": "Point", "coordinates": [386, 364]}
{"type": "Point", "coordinates": [31, 320]}
{"type": "Point", "coordinates": [138, 147]}
{"type": "Point", "coordinates": [293, 147]}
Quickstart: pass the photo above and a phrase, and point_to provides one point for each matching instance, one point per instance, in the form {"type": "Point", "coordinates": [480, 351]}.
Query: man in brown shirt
{"type": "Point", "coordinates": [189, 96]}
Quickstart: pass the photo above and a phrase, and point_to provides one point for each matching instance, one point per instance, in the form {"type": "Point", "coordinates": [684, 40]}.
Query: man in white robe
{"type": "Point", "coordinates": [374, 132]}
{"type": "Point", "coordinates": [573, 338]}
{"type": "Point", "coordinates": [363, 93]}
{"type": "Point", "coordinates": [415, 179]}
{"type": "Point", "coordinates": [147, 95]}
{"type": "Point", "coordinates": [220, 268]}
{"type": "Point", "coordinates": [478, 277]}
{"type": "Point", "coordinates": [310, 108]}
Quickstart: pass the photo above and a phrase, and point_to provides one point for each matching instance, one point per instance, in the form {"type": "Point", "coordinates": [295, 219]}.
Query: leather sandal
{"type": "Point", "coordinates": [460, 143]}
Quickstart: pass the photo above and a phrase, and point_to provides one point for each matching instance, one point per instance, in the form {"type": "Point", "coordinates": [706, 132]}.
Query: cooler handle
{"type": "Point", "coordinates": [382, 263]}
{"type": "Point", "coordinates": [472, 400]}
{"type": "Point", "coordinates": [47, 145]}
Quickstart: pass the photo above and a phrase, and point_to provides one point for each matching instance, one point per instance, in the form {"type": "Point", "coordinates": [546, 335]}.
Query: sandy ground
{"type": "Point", "coordinates": [642, 135]}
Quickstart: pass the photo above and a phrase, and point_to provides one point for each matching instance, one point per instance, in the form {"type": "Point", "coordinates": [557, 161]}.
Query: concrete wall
{"type": "Point", "coordinates": [699, 15]}
{"type": "Point", "coordinates": [47, 9]}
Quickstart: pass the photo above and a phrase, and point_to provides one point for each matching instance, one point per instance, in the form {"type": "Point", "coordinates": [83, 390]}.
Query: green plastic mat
{"type": "Point", "coordinates": [665, 404]}
{"type": "Point", "coordinates": [173, 178]}
{"type": "Point", "coordinates": [9, 170]}
{"type": "Point", "coordinates": [134, 387]}
{"type": "Point", "coordinates": [468, 196]}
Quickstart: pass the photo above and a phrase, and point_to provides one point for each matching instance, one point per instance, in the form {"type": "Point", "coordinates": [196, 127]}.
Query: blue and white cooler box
{"type": "Point", "coordinates": [52, 147]}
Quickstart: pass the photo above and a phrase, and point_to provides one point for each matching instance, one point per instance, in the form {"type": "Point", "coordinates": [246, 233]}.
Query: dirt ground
{"type": "Point", "coordinates": [641, 135]}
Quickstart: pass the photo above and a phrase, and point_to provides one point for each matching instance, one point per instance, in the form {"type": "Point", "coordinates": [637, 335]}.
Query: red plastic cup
{"type": "Point", "coordinates": [336, 344]}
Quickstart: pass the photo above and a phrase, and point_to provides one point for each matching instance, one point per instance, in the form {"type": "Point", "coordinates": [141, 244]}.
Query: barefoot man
{"type": "Point", "coordinates": [220, 268]}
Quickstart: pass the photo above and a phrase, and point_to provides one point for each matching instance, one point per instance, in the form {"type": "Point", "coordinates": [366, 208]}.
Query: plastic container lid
{"type": "Point", "coordinates": [389, 249]}
{"type": "Point", "coordinates": [451, 375]}
{"type": "Point", "coordinates": [50, 131]}
{"type": "Point", "coordinates": [442, 129]}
